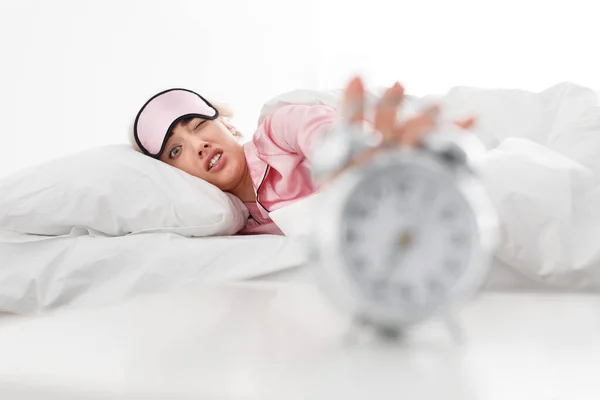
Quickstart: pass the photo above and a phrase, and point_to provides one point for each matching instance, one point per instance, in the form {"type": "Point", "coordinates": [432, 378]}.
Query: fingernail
{"type": "Point", "coordinates": [357, 80]}
{"type": "Point", "coordinates": [397, 90]}
{"type": "Point", "coordinates": [397, 86]}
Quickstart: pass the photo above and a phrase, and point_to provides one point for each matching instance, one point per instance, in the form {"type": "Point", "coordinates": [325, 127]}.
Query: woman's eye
{"type": "Point", "coordinates": [200, 124]}
{"type": "Point", "coordinates": [174, 152]}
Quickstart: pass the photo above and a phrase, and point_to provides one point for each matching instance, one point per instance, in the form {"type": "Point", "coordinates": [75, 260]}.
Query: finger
{"type": "Point", "coordinates": [387, 109]}
{"type": "Point", "coordinates": [353, 101]}
{"type": "Point", "coordinates": [465, 123]}
{"type": "Point", "coordinates": [413, 130]}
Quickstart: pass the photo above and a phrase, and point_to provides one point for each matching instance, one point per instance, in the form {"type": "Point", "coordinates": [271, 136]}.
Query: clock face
{"type": "Point", "coordinates": [407, 237]}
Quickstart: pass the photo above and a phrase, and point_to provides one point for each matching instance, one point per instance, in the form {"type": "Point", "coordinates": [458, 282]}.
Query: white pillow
{"type": "Point", "coordinates": [116, 191]}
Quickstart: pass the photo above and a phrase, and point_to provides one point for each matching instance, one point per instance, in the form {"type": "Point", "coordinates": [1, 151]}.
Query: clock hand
{"type": "Point", "coordinates": [398, 249]}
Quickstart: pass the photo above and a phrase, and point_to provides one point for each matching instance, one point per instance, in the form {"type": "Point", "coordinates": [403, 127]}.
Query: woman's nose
{"type": "Point", "coordinates": [203, 149]}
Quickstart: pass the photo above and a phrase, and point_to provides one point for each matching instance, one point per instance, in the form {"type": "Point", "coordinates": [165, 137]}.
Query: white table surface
{"type": "Point", "coordinates": [285, 341]}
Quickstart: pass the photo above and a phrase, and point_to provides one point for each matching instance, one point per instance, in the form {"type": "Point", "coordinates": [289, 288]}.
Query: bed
{"type": "Point", "coordinates": [108, 223]}
{"type": "Point", "coordinates": [136, 301]}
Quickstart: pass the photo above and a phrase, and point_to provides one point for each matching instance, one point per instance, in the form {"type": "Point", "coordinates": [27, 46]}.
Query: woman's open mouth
{"type": "Point", "coordinates": [215, 161]}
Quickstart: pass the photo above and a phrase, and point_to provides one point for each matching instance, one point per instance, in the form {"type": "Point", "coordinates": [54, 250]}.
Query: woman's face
{"type": "Point", "coordinates": [208, 150]}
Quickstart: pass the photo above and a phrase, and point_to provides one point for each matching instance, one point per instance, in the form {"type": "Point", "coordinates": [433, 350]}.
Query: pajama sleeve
{"type": "Point", "coordinates": [295, 128]}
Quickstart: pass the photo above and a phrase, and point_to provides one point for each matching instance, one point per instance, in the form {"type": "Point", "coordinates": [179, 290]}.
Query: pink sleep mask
{"type": "Point", "coordinates": [160, 114]}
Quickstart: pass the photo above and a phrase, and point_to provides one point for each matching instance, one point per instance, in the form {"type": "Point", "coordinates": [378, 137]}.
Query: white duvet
{"type": "Point", "coordinates": [542, 170]}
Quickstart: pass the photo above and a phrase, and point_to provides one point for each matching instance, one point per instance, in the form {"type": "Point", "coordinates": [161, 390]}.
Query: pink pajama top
{"type": "Point", "coordinates": [277, 162]}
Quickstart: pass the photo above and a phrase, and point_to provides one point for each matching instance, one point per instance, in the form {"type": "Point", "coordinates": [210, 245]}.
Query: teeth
{"type": "Point", "coordinates": [214, 160]}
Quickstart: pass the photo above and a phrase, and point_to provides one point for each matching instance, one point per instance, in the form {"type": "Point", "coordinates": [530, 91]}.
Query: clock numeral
{"type": "Point", "coordinates": [453, 267]}
{"type": "Point", "coordinates": [358, 212]}
{"type": "Point", "coordinates": [448, 213]}
{"type": "Point", "coordinates": [359, 264]}
{"type": "Point", "coordinates": [351, 236]}
{"type": "Point", "coordinates": [404, 186]}
{"type": "Point", "coordinates": [458, 239]}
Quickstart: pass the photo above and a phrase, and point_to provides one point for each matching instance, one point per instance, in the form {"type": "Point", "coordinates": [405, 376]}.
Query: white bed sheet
{"type": "Point", "coordinates": [38, 274]}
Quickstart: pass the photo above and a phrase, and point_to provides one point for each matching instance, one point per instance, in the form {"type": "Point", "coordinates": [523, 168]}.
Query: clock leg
{"type": "Point", "coordinates": [390, 334]}
{"type": "Point", "coordinates": [363, 327]}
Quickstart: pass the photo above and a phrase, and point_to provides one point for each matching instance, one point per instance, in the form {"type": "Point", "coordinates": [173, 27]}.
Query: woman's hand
{"type": "Point", "coordinates": [408, 133]}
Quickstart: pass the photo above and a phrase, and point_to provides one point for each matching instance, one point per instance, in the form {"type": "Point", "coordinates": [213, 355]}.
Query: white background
{"type": "Point", "coordinates": [75, 72]}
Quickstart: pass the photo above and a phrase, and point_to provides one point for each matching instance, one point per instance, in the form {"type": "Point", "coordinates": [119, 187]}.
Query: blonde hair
{"type": "Point", "coordinates": [225, 115]}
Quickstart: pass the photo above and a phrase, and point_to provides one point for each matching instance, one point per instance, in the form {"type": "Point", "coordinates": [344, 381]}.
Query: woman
{"type": "Point", "coordinates": [181, 128]}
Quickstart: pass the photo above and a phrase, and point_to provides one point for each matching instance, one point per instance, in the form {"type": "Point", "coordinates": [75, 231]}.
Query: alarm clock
{"type": "Point", "coordinates": [406, 236]}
